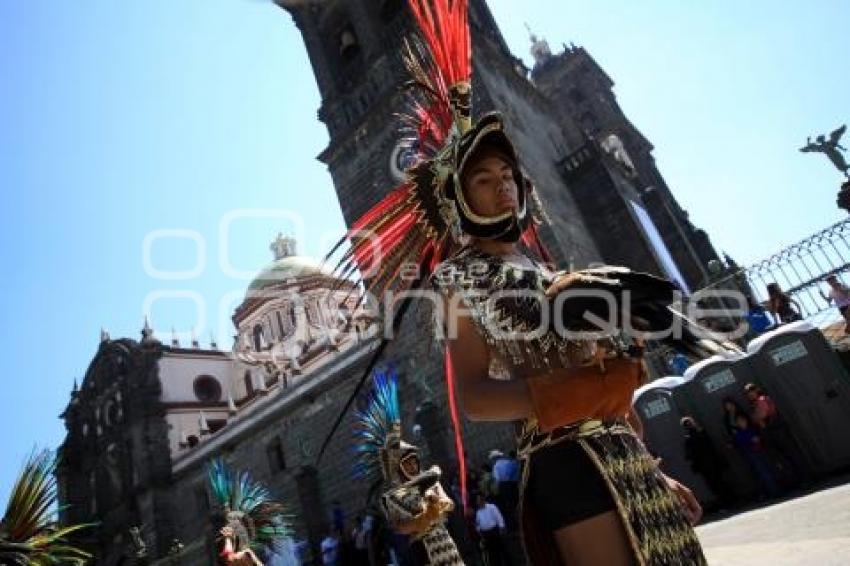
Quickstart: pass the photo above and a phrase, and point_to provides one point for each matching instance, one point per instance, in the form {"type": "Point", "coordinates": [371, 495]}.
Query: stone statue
{"type": "Point", "coordinates": [613, 146]}
{"type": "Point", "coordinates": [830, 148]}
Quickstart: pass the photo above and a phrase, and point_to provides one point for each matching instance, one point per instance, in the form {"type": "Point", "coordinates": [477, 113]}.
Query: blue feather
{"type": "Point", "coordinates": [377, 413]}
{"type": "Point", "coordinates": [240, 492]}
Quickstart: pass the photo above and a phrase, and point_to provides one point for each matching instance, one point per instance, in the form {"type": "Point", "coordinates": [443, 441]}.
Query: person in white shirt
{"type": "Point", "coordinates": [330, 550]}
{"type": "Point", "coordinates": [839, 294]}
{"type": "Point", "coordinates": [490, 525]}
{"type": "Point", "coordinates": [506, 475]}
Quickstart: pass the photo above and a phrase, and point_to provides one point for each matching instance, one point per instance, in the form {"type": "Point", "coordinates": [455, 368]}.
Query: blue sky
{"type": "Point", "coordinates": [122, 119]}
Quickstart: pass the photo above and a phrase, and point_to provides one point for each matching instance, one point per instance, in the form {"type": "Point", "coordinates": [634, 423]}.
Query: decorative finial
{"type": "Point", "coordinates": [539, 47]}
{"type": "Point", "coordinates": [530, 33]}
{"type": "Point", "coordinates": [175, 342]}
{"type": "Point", "coordinates": [213, 344]}
{"type": "Point", "coordinates": [283, 246]}
{"type": "Point", "coordinates": [76, 389]}
{"type": "Point", "coordinates": [195, 343]}
{"type": "Point", "coordinates": [104, 335]}
{"type": "Point", "coordinates": [147, 332]}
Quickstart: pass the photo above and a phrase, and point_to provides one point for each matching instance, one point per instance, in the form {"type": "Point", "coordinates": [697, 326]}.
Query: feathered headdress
{"type": "Point", "coordinates": [420, 222]}
{"type": "Point", "coordinates": [377, 432]}
{"type": "Point", "coordinates": [261, 523]}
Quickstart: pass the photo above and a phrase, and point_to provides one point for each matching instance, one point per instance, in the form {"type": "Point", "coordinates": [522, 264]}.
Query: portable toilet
{"type": "Point", "coordinates": [663, 433]}
{"type": "Point", "coordinates": [706, 384]}
{"type": "Point", "coordinates": [808, 383]}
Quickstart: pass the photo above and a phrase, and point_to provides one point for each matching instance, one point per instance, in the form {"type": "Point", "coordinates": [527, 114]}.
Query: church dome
{"type": "Point", "coordinates": [286, 267]}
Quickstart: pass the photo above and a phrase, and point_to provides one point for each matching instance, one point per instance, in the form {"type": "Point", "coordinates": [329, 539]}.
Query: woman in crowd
{"type": "Point", "coordinates": [782, 305]}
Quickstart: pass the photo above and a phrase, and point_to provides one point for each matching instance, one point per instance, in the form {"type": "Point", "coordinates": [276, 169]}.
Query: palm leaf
{"type": "Point", "coordinates": [29, 532]}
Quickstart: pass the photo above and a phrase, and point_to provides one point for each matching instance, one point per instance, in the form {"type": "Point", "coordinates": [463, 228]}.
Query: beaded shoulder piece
{"type": "Point", "coordinates": [505, 302]}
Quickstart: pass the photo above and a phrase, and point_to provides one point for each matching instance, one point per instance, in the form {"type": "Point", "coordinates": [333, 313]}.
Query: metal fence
{"type": "Point", "coordinates": [800, 269]}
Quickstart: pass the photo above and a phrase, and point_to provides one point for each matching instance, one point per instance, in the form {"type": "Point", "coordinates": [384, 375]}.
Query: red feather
{"type": "Point", "coordinates": [394, 197]}
{"type": "Point", "coordinates": [461, 460]}
{"type": "Point", "coordinates": [444, 25]}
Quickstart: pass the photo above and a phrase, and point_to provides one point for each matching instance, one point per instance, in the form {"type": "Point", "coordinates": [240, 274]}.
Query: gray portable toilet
{"type": "Point", "coordinates": [804, 376]}
{"type": "Point", "coordinates": [663, 433]}
{"type": "Point", "coordinates": [706, 384]}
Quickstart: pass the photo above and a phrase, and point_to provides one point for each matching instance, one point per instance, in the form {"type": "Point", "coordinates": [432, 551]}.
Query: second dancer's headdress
{"type": "Point", "coordinates": [378, 443]}
{"type": "Point", "coordinates": [257, 520]}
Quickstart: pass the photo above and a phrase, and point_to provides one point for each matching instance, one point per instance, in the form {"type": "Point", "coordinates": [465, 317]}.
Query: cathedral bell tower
{"type": "Point", "coordinates": [355, 49]}
{"type": "Point", "coordinates": [579, 87]}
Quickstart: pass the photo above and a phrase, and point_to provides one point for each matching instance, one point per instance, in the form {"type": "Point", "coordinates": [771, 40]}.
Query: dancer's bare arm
{"type": "Point", "coordinates": [483, 398]}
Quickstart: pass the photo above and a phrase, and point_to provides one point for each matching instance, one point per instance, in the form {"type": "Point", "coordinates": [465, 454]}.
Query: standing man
{"type": "Point", "coordinates": [706, 461]}
{"type": "Point", "coordinates": [506, 476]}
{"type": "Point", "coordinates": [490, 525]}
{"type": "Point", "coordinates": [839, 295]}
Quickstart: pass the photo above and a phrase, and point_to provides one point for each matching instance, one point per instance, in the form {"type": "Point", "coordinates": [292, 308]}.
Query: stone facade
{"type": "Point", "coordinates": [115, 465]}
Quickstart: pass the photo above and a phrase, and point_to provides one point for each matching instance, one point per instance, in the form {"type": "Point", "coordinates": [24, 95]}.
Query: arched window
{"type": "Point", "coordinates": [207, 389]}
{"type": "Point", "coordinates": [249, 383]}
{"type": "Point", "coordinates": [285, 321]}
{"type": "Point", "coordinates": [277, 460]}
{"type": "Point", "coordinates": [311, 306]}
{"type": "Point", "coordinates": [349, 45]}
{"type": "Point", "coordinates": [259, 338]}
{"type": "Point", "coordinates": [589, 121]}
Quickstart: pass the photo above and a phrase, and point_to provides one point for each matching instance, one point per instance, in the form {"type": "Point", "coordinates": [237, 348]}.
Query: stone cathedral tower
{"type": "Point", "coordinates": [582, 90]}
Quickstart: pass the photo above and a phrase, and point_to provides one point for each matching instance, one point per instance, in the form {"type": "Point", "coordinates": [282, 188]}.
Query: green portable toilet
{"type": "Point", "coordinates": [799, 369]}
{"type": "Point", "coordinates": [706, 384]}
{"type": "Point", "coordinates": [663, 433]}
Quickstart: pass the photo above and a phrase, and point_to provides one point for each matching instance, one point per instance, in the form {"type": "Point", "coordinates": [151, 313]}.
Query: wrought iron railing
{"type": "Point", "coordinates": [800, 269]}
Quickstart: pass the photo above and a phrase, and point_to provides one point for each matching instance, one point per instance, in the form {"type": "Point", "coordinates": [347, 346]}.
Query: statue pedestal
{"type": "Point", "coordinates": [843, 199]}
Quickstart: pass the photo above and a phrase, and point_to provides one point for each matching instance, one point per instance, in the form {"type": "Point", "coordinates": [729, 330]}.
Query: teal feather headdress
{"type": "Point", "coordinates": [378, 427]}
{"type": "Point", "coordinates": [262, 521]}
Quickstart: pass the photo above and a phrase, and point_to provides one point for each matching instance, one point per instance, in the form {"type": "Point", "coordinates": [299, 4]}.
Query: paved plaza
{"type": "Point", "coordinates": [811, 529]}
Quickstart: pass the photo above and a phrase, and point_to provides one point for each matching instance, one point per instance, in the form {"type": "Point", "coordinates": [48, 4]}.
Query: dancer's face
{"type": "Point", "coordinates": [489, 185]}
{"type": "Point", "coordinates": [410, 466]}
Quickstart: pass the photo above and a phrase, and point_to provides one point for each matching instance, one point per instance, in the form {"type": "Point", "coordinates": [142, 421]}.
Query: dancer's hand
{"type": "Point", "coordinates": [690, 505]}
